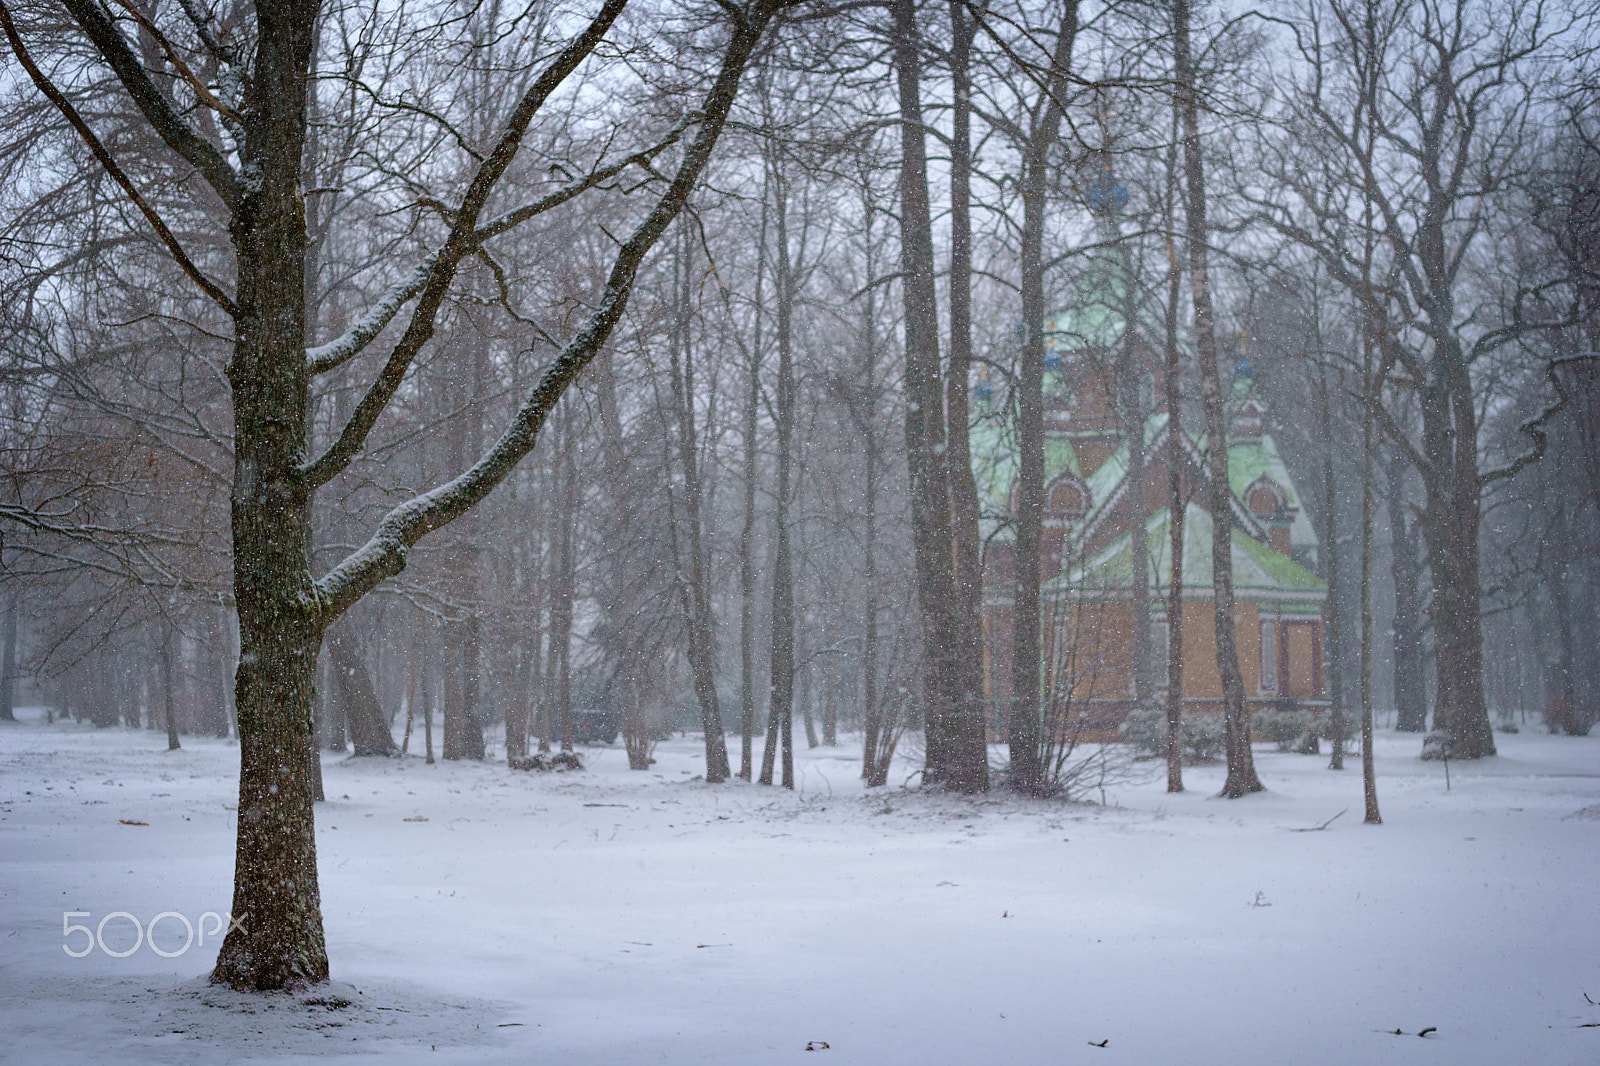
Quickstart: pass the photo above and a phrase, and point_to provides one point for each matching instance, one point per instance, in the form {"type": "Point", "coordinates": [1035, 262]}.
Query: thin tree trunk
{"type": "Point", "coordinates": [8, 656]}
{"type": "Point", "coordinates": [780, 713]}
{"type": "Point", "coordinates": [356, 693]}
{"type": "Point", "coordinates": [873, 770]}
{"type": "Point", "coordinates": [557, 720]}
{"type": "Point", "coordinates": [463, 728]}
{"type": "Point", "coordinates": [830, 704]}
{"type": "Point", "coordinates": [429, 658]}
{"type": "Point", "coordinates": [454, 716]}
{"type": "Point", "coordinates": [970, 744]}
{"type": "Point", "coordinates": [1330, 535]}
{"type": "Point", "coordinates": [1027, 739]}
{"type": "Point", "coordinates": [1132, 415]}
{"type": "Point", "coordinates": [571, 498]}
{"type": "Point", "coordinates": [747, 533]}
{"type": "Point", "coordinates": [1242, 778]}
{"type": "Point", "coordinates": [803, 696]}
{"type": "Point", "coordinates": [1410, 687]}
{"type": "Point", "coordinates": [169, 693]}
{"type": "Point", "coordinates": [411, 694]}
{"type": "Point", "coordinates": [314, 761]}
{"type": "Point", "coordinates": [1176, 505]}
{"type": "Point", "coordinates": [1130, 407]}
{"type": "Point", "coordinates": [695, 590]}
{"type": "Point", "coordinates": [472, 722]}
{"type": "Point", "coordinates": [1369, 780]}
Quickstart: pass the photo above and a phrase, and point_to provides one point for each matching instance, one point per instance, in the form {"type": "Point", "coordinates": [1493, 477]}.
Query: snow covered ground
{"type": "Point", "coordinates": [607, 917]}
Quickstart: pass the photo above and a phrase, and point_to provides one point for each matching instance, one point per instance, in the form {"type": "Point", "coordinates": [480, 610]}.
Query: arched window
{"type": "Point", "coordinates": [1066, 499]}
{"type": "Point", "coordinates": [1265, 498]}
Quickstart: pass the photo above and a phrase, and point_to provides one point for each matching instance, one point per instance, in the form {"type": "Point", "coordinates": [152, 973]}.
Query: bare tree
{"type": "Point", "coordinates": [1035, 136]}
{"type": "Point", "coordinates": [1413, 116]}
{"type": "Point", "coordinates": [254, 172]}
{"type": "Point", "coordinates": [695, 585]}
{"type": "Point", "coordinates": [1242, 778]}
{"type": "Point", "coordinates": [955, 751]}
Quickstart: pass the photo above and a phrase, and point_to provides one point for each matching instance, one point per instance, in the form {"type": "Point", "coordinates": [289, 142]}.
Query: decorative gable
{"type": "Point", "coordinates": [1066, 500]}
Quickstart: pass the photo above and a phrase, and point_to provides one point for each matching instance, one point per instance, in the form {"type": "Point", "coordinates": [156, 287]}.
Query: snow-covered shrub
{"type": "Point", "coordinates": [1203, 734]}
{"type": "Point", "coordinates": [1288, 729]}
{"type": "Point", "coordinates": [1146, 729]}
{"type": "Point", "coordinates": [1205, 737]}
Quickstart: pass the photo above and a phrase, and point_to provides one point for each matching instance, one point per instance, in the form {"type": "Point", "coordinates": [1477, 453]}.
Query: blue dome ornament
{"type": "Point", "coordinates": [1105, 195]}
{"type": "Point", "coordinates": [1243, 371]}
{"type": "Point", "coordinates": [983, 390]}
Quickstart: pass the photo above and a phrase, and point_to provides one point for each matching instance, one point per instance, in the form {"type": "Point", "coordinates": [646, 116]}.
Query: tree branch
{"type": "Point", "coordinates": [157, 109]}
{"type": "Point", "coordinates": [1533, 427]}
{"type": "Point", "coordinates": [460, 242]}
{"type": "Point", "coordinates": [101, 153]}
{"type": "Point", "coordinates": [340, 350]}
{"type": "Point", "coordinates": [384, 555]}
{"type": "Point", "coordinates": [203, 94]}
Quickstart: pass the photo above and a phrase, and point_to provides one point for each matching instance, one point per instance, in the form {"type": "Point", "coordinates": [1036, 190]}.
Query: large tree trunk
{"type": "Point", "coordinates": [925, 423]}
{"type": "Point", "coordinates": [1242, 777]}
{"type": "Point", "coordinates": [1450, 525]}
{"type": "Point", "coordinates": [278, 941]}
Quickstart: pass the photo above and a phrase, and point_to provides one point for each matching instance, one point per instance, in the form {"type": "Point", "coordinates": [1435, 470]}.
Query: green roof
{"type": "Point", "coordinates": [1258, 571]}
{"type": "Point", "coordinates": [1096, 318]}
{"type": "Point", "coordinates": [1251, 459]}
{"type": "Point", "coordinates": [1096, 314]}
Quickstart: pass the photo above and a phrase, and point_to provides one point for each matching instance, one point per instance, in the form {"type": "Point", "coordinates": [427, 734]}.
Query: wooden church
{"type": "Point", "coordinates": [1094, 509]}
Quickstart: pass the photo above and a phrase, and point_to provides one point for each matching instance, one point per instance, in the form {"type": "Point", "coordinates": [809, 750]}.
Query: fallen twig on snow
{"type": "Point", "coordinates": [1320, 828]}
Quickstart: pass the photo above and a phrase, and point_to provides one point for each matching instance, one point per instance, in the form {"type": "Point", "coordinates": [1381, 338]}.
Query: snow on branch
{"type": "Point", "coordinates": [1534, 428]}
{"type": "Point", "coordinates": [384, 554]}
{"type": "Point", "coordinates": [335, 353]}
{"type": "Point", "coordinates": [460, 243]}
